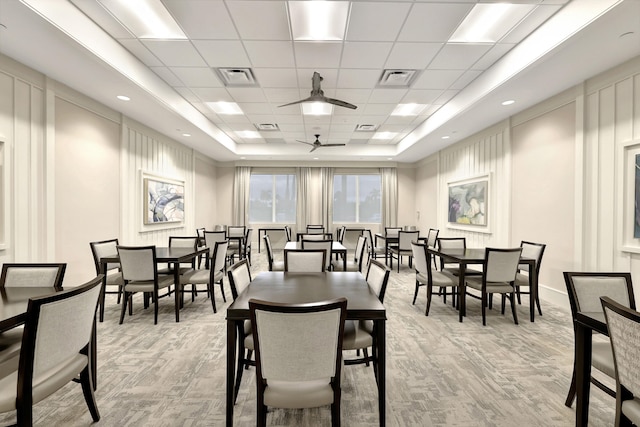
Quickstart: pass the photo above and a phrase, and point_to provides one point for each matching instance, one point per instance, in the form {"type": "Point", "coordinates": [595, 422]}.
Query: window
{"type": "Point", "coordinates": [272, 198]}
{"type": "Point", "coordinates": [356, 198]}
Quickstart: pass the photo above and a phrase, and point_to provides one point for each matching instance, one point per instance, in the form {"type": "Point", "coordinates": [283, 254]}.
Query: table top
{"type": "Point", "coordinates": [335, 246]}
{"type": "Point", "coordinates": [296, 288]}
{"type": "Point", "coordinates": [14, 302]}
{"type": "Point", "coordinates": [166, 254]}
{"type": "Point", "coordinates": [468, 255]}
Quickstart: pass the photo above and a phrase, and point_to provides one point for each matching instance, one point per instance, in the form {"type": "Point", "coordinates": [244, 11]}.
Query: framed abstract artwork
{"type": "Point", "coordinates": [468, 202]}
{"type": "Point", "coordinates": [163, 200]}
{"type": "Point", "coordinates": [628, 196]}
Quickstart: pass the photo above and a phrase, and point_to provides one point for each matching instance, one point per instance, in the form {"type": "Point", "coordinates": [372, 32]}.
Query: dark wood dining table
{"type": "Point", "coordinates": [471, 256]}
{"type": "Point", "coordinates": [388, 242]}
{"type": "Point", "coordinates": [295, 288]}
{"type": "Point", "coordinates": [336, 248]}
{"type": "Point", "coordinates": [164, 255]}
{"type": "Point", "coordinates": [585, 324]}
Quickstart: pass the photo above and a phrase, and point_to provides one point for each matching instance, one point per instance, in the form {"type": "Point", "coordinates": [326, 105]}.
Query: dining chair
{"type": "Point", "coordinates": [201, 242]}
{"type": "Point", "coordinates": [325, 245]}
{"type": "Point", "coordinates": [140, 274]}
{"type": "Point", "coordinates": [340, 233]}
{"type": "Point", "coordinates": [359, 335]}
{"type": "Point", "coordinates": [425, 276]}
{"type": "Point", "coordinates": [287, 230]}
{"type": "Point", "coordinates": [315, 229]}
{"type": "Point", "coordinates": [454, 243]}
{"type": "Point", "coordinates": [356, 263]}
{"type": "Point", "coordinates": [623, 325]}
{"type": "Point", "coordinates": [584, 290]}
{"type": "Point", "coordinates": [375, 250]}
{"type": "Point", "coordinates": [235, 235]}
{"type": "Point", "coordinates": [404, 247]}
{"type": "Point", "coordinates": [113, 276]}
{"type": "Point", "coordinates": [305, 261]}
{"type": "Point", "coordinates": [535, 251]}
{"type": "Point", "coordinates": [55, 351]}
{"type": "Point", "coordinates": [239, 278]}
{"type": "Point", "coordinates": [247, 244]}
{"type": "Point", "coordinates": [214, 274]}
{"type": "Point", "coordinates": [432, 241]}
{"type": "Point", "coordinates": [318, 236]}
{"type": "Point", "coordinates": [19, 275]}
{"type": "Point", "coordinates": [220, 227]}
{"type": "Point", "coordinates": [273, 264]}
{"type": "Point", "coordinates": [298, 366]}
{"type": "Point", "coordinates": [498, 277]}
{"type": "Point", "coordinates": [190, 242]}
{"type": "Point", "coordinates": [210, 239]}
{"type": "Point", "coordinates": [351, 236]}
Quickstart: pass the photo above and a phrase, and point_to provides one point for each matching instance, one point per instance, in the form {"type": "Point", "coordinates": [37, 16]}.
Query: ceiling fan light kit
{"type": "Point", "coordinates": [317, 144]}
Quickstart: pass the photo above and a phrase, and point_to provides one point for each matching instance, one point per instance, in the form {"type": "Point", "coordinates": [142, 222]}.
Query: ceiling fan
{"type": "Point", "coordinates": [317, 95]}
{"type": "Point", "coordinates": [317, 144]}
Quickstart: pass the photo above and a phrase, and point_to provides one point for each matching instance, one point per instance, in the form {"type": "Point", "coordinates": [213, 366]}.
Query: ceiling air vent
{"type": "Point", "coordinates": [267, 126]}
{"type": "Point", "coordinates": [366, 128]}
{"type": "Point", "coordinates": [241, 77]}
{"type": "Point", "coordinates": [397, 78]}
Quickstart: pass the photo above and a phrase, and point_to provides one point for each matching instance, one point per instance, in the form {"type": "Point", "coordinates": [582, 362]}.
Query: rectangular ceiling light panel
{"type": "Point", "coordinates": [408, 109]}
{"type": "Point", "coordinates": [489, 22]}
{"type": "Point", "coordinates": [318, 20]}
{"type": "Point", "coordinates": [226, 108]}
{"type": "Point", "coordinates": [146, 19]}
{"type": "Point", "coordinates": [316, 109]}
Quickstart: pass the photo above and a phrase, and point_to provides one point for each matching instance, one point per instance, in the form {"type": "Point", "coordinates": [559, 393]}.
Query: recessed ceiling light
{"type": "Point", "coordinates": [408, 109]}
{"type": "Point", "coordinates": [316, 109]}
{"type": "Point", "coordinates": [223, 107]}
{"type": "Point", "coordinates": [315, 158]}
{"type": "Point", "coordinates": [242, 158]}
{"type": "Point", "coordinates": [384, 135]}
{"type": "Point", "coordinates": [318, 20]}
{"type": "Point", "coordinates": [508, 102]}
{"type": "Point", "coordinates": [488, 23]}
{"type": "Point", "coordinates": [389, 158]}
{"type": "Point", "coordinates": [186, 134]}
{"type": "Point", "coordinates": [249, 134]}
{"type": "Point", "coordinates": [146, 19]}
{"type": "Point", "coordinates": [446, 137]}
{"type": "Point", "coordinates": [123, 98]}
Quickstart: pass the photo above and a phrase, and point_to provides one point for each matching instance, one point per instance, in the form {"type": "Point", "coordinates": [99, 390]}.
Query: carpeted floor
{"type": "Point", "coordinates": [439, 372]}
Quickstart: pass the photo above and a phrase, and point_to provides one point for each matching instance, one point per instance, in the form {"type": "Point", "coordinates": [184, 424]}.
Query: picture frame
{"type": "Point", "coordinates": [468, 203]}
{"type": "Point", "coordinates": [163, 201]}
{"type": "Point", "coordinates": [628, 195]}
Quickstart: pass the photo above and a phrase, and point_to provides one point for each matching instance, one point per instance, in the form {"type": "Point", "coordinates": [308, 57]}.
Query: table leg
{"type": "Point", "coordinates": [533, 291]}
{"type": "Point", "coordinates": [344, 261]}
{"type": "Point", "coordinates": [381, 366]}
{"type": "Point", "coordinates": [178, 289]}
{"type": "Point", "coordinates": [583, 373]}
{"type": "Point", "coordinates": [462, 290]}
{"type": "Point", "coordinates": [103, 290]}
{"type": "Point", "coordinates": [259, 240]}
{"type": "Point", "coordinates": [93, 349]}
{"type": "Point", "coordinates": [231, 368]}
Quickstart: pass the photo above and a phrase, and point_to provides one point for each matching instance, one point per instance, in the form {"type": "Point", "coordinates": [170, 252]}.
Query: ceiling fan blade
{"type": "Point", "coordinates": [304, 142]}
{"type": "Point", "coordinates": [340, 103]}
{"type": "Point", "coordinates": [296, 102]}
{"type": "Point", "coordinates": [314, 148]}
{"type": "Point", "coordinates": [333, 145]}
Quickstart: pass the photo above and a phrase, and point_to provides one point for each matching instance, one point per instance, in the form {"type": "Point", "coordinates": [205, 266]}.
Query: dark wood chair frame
{"type": "Point", "coordinates": [538, 262]}
{"type": "Point", "coordinates": [324, 257]}
{"type": "Point", "coordinates": [57, 284]}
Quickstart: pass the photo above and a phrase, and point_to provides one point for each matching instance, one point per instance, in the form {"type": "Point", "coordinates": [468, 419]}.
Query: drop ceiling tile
{"type": "Point", "coordinates": [270, 54]}
{"type": "Point", "coordinates": [437, 79]}
{"type": "Point", "coordinates": [398, 120]}
{"type": "Point", "coordinates": [458, 56]}
{"type": "Point", "coordinates": [276, 77]}
{"type": "Point", "coordinates": [376, 21]}
{"type": "Point", "coordinates": [281, 96]}
{"type": "Point", "coordinates": [317, 55]}
{"type": "Point", "coordinates": [489, 58]}
{"type": "Point", "coordinates": [290, 119]}
{"type": "Point", "coordinates": [141, 52]}
{"type": "Point", "coordinates": [387, 95]}
{"type": "Point", "coordinates": [412, 55]}
{"type": "Point", "coordinates": [187, 94]}
{"type": "Point", "coordinates": [446, 96]}
{"type": "Point", "coordinates": [167, 75]}
{"type": "Point", "coordinates": [207, 94]}
{"type": "Point", "coordinates": [378, 109]}
{"type": "Point", "coordinates": [235, 119]}
{"type": "Point", "coordinates": [329, 78]}
{"type": "Point", "coordinates": [291, 127]}
{"type": "Point", "coordinates": [354, 96]}
{"type": "Point", "coordinates": [197, 76]}
{"type": "Point", "coordinates": [260, 20]}
{"type": "Point", "coordinates": [223, 53]}
{"type": "Point", "coordinates": [263, 108]}
{"type": "Point", "coordinates": [433, 22]}
{"type": "Point", "coordinates": [465, 79]}
{"type": "Point", "coordinates": [343, 128]}
{"type": "Point", "coordinates": [202, 19]}
{"type": "Point", "coordinates": [358, 79]}
{"type": "Point", "coordinates": [365, 54]}
{"type": "Point", "coordinates": [175, 53]}
{"type": "Point", "coordinates": [247, 94]}
{"type": "Point", "coordinates": [421, 96]}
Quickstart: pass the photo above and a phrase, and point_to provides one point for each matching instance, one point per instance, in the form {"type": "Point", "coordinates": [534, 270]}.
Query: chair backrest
{"type": "Point", "coordinates": [359, 253]}
{"type": "Point", "coordinates": [42, 275]}
{"type": "Point", "coordinates": [432, 236]}
{"type": "Point", "coordinates": [54, 340]}
{"type": "Point", "coordinates": [501, 265]}
{"type": "Point", "coordinates": [377, 278]}
{"type": "Point", "coordinates": [239, 277]}
{"type": "Point", "coordinates": [247, 240]}
{"type": "Point", "coordinates": [351, 236]}
{"type": "Point", "coordinates": [219, 256]}
{"type": "Point", "coordinates": [277, 238]}
{"type": "Point", "coordinates": [532, 250]}
{"type": "Point", "coordinates": [200, 232]}
{"type": "Point", "coordinates": [298, 343]}
{"type": "Point", "coordinates": [405, 238]}
{"type": "Point", "coordinates": [287, 230]}
{"type": "Point", "coordinates": [325, 245]}
{"type": "Point", "coordinates": [623, 324]}
{"type": "Point", "coordinates": [452, 243]}
{"type": "Point", "coordinates": [392, 231]}
{"type": "Point", "coordinates": [305, 261]}
{"type": "Point", "coordinates": [340, 233]}
{"type": "Point", "coordinates": [585, 289]}
{"type": "Point", "coordinates": [410, 228]}
{"type": "Point", "coordinates": [220, 227]}
{"type": "Point", "coordinates": [101, 249]}
{"type": "Point", "coordinates": [183, 242]}
{"type": "Point", "coordinates": [211, 237]}
{"type": "Point", "coordinates": [315, 229]}
{"type": "Point", "coordinates": [138, 262]}
{"type": "Point", "coordinates": [370, 242]}
{"type": "Point", "coordinates": [236, 231]}
{"type": "Point", "coordinates": [420, 258]}
{"type": "Point", "coordinates": [320, 236]}
{"type": "Point", "coordinates": [267, 244]}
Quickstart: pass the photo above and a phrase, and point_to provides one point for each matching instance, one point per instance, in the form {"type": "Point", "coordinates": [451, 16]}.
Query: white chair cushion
{"type": "Point", "coordinates": [277, 266]}
{"type": "Point", "coordinates": [602, 358]}
{"type": "Point", "coordinates": [297, 395]}
{"type": "Point", "coordinates": [631, 408]}
{"type": "Point", "coordinates": [147, 285]}
{"type": "Point", "coordinates": [356, 336]}
{"type": "Point", "coordinates": [492, 288]}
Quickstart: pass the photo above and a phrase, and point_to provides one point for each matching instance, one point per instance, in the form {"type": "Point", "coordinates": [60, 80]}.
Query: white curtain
{"type": "Point", "coordinates": [389, 178]}
{"type": "Point", "coordinates": [326, 175]}
{"type": "Point", "coordinates": [303, 178]}
{"type": "Point", "coordinates": [241, 195]}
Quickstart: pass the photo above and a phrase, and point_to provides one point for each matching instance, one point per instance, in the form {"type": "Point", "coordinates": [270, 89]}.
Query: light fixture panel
{"type": "Point", "coordinates": [489, 22]}
{"type": "Point", "coordinates": [225, 108]}
{"type": "Point", "coordinates": [318, 20]}
{"type": "Point", "coordinates": [316, 109]}
{"type": "Point", "coordinates": [146, 19]}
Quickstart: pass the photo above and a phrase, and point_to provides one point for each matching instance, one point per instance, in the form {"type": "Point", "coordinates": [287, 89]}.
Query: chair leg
{"type": "Point", "coordinates": [429, 293]}
{"type": "Point", "coordinates": [123, 309]}
{"type": "Point", "coordinates": [415, 293]}
{"type": "Point", "coordinates": [572, 389]}
{"type": "Point", "coordinates": [484, 309]}
{"type": "Point", "coordinates": [512, 298]}
{"type": "Point", "coordinates": [155, 306]}
{"type": "Point", "coordinates": [87, 391]}
{"type": "Point", "coordinates": [518, 294]}
{"type": "Point", "coordinates": [538, 305]}
{"type": "Point", "coordinates": [213, 299]}
{"type": "Point", "coordinates": [222, 290]}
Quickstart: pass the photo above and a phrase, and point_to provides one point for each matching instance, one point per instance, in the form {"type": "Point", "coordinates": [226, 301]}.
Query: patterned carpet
{"type": "Point", "coordinates": [439, 372]}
